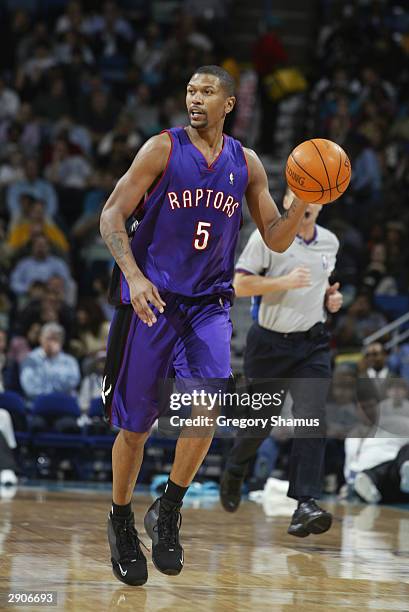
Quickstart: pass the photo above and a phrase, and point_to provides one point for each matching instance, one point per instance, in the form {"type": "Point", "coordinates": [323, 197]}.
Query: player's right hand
{"type": "Point", "coordinates": [143, 292]}
{"type": "Point", "coordinates": [298, 278]}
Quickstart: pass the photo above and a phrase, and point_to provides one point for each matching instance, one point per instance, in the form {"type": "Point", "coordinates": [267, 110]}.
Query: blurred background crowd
{"type": "Point", "coordinates": [84, 83]}
{"type": "Point", "coordinates": [359, 98]}
{"type": "Point", "coordinates": [82, 86]}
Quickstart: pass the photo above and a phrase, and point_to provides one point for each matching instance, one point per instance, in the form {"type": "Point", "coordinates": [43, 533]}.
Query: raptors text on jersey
{"type": "Point", "coordinates": [188, 232]}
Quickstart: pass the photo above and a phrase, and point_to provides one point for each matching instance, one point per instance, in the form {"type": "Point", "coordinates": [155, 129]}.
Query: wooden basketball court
{"type": "Point", "coordinates": [56, 541]}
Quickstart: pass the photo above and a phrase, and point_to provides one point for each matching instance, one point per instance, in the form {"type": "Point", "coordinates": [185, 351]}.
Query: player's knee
{"type": "Point", "coordinates": [134, 439]}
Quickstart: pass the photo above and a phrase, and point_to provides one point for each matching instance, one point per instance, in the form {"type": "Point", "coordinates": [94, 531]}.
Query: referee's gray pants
{"type": "Point", "coordinates": [274, 362]}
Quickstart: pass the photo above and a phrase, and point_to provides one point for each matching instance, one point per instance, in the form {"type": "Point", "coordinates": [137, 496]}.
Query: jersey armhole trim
{"type": "Point", "coordinates": [146, 201]}
{"type": "Point", "coordinates": [247, 166]}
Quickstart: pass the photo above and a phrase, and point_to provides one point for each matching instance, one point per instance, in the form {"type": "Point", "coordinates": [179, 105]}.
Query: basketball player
{"type": "Point", "coordinates": [289, 341]}
{"type": "Point", "coordinates": [173, 289]}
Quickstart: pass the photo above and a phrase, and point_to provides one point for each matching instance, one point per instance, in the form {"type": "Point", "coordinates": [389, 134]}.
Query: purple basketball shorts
{"type": "Point", "coordinates": [189, 341]}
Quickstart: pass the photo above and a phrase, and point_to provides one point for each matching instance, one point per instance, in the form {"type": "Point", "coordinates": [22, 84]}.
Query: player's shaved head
{"type": "Point", "coordinates": [225, 78]}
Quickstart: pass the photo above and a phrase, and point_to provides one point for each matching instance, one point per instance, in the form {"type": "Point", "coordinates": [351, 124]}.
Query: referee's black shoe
{"type": "Point", "coordinates": [309, 518]}
{"type": "Point", "coordinates": [162, 523]}
{"type": "Point", "coordinates": [128, 561]}
{"type": "Point", "coordinates": [230, 491]}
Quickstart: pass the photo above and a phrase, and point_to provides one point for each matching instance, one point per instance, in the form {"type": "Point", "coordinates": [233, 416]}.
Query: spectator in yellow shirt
{"type": "Point", "coordinates": [32, 223]}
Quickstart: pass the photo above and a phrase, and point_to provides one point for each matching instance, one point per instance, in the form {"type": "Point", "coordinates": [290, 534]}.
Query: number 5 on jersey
{"type": "Point", "coordinates": [201, 235]}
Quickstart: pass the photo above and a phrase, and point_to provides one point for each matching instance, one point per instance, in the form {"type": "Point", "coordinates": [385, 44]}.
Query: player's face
{"type": "Point", "coordinates": [206, 101]}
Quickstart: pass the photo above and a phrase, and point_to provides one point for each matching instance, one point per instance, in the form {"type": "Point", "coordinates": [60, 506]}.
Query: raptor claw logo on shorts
{"type": "Point", "coordinates": [105, 392]}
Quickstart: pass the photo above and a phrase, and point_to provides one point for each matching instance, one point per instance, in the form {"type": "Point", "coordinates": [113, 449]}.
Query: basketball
{"type": "Point", "coordinates": [318, 171]}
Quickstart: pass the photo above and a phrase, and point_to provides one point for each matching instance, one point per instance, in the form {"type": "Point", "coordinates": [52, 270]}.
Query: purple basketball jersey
{"type": "Point", "coordinates": [186, 239]}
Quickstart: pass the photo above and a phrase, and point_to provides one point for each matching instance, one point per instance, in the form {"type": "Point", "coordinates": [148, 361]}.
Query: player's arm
{"type": "Point", "coordinates": [247, 285]}
{"type": "Point", "coordinates": [278, 231]}
{"type": "Point", "coordinates": [147, 166]}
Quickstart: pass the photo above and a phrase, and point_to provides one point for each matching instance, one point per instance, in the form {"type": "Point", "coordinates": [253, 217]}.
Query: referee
{"type": "Point", "coordinates": [289, 341]}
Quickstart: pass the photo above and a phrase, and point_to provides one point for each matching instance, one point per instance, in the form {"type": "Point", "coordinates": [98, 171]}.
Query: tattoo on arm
{"type": "Point", "coordinates": [282, 231]}
{"type": "Point", "coordinates": [286, 215]}
{"type": "Point", "coordinates": [118, 244]}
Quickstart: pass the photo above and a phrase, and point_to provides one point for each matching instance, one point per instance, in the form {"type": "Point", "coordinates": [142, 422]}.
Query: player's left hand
{"type": "Point", "coordinates": [333, 298]}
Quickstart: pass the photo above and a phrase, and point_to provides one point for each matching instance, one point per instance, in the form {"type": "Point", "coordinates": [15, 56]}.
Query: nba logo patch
{"type": "Point", "coordinates": [325, 262]}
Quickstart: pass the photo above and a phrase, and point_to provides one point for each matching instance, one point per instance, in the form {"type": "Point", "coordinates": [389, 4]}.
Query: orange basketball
{"type": "Point", "coordinates": [318, 171]}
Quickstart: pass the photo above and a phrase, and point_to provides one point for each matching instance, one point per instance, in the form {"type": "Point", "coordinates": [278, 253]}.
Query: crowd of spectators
{"type": "Point", "coordinates": [359, 99]}
{"type": "Point", "coordinates": [82, 85]}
